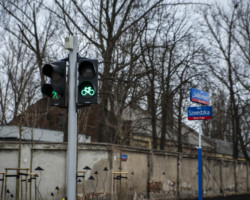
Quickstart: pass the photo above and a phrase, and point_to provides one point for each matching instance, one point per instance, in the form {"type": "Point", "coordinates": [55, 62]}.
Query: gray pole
{"type": "Point", "coordinates": [72, 123]}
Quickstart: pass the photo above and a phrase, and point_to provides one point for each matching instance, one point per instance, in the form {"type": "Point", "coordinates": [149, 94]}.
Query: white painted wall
{"type": "Point", "coordinates": [156, 168]}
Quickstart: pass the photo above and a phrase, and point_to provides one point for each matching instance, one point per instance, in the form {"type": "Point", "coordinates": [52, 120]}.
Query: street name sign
{"type": "Point", "coordinates": [124, 157]}
{"type": "Point", "coordinates": [199, 96]}
{"type": "Point", "coordinates": [200, 113]}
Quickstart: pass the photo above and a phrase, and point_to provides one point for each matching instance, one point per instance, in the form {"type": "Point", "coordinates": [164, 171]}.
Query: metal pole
{"type": "Point", "coordinates": [2, 188]}
{"type": "Point", "coordinates": [72, 123]}
{"type": "Point", "coordinates": [26, 185]}
{"type": "Point", "coordinates": [5, 185]}
{"type": "Point", "coordinates": [35, 188]}
{"type": "Point", "coordinates": [200, 133]}
{"type": "Point", "coordinates": [200, 164]}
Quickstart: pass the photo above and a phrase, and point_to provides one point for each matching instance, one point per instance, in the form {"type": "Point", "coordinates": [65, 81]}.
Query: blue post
{"type": "Point", "coordinates": [200, 173]}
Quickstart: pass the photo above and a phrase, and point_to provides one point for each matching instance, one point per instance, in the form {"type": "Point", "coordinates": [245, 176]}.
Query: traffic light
{"type": "Point", "coordinates": [87, 81]}
{"type": "Point", "coordinates": [56, 90]}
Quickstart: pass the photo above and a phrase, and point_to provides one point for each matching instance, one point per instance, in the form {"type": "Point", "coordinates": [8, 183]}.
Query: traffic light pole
{"type": "Point", "coordinates": [72, 122]}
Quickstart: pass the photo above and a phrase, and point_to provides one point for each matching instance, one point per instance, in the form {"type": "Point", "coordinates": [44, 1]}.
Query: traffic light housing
{"type": "Point", "coordinates": [87, 81]}
{"type": "Point", "coordinates": [56, 90]}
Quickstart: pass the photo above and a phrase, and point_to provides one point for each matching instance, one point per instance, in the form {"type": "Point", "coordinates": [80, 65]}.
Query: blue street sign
{"type": "Point", "coordinates": [199, 96]}
{"type": "Point", "coordinates": [200, 113]}
{"type": "Point", "coordinates": [124, 157]}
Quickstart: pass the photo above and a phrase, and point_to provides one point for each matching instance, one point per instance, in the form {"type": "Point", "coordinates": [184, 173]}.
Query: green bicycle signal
{"type": "Point", "coordinates": [88, 91]}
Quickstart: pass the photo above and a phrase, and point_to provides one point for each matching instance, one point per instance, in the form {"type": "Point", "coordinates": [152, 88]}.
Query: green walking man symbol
{"type": "Point", "coordinates": [55, 95]}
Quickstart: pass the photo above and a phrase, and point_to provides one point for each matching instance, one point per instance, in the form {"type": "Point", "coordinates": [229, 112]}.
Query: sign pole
{"type": "Point", "coordinates": [72, 123]}
{"type": "Point", "coordinates": [200, 163]}
{"type": "Point", "coordinates": [200, 133]}
{"type": "Point", "coordinates": [199, 113]}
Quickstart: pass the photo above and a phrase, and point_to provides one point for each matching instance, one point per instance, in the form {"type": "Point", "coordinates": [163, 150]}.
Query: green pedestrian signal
{"type": "Point", "coordinates": [56, 90]}
{"type": "Point", "coordinates": [55, 95]}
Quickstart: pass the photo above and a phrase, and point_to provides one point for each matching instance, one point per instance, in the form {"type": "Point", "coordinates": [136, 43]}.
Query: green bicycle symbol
{"type": "Point", "coordinates": [87, 91]}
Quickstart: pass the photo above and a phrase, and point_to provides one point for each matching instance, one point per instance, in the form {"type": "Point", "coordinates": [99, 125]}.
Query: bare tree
{"type": "Point", "coordinates": [170, 59]}
{"type": "Point", "coordinates": [29, 23]}
{"type": "Point", "coordinates": [220, 126]}
{"type": "Point", "coordinates": [148, 61]}
{"type": "Point", "coordinates": [19, 86]}
{"type": "Point", "coordinates": [226, 64]}
{"type": "Point", "coordinates": [104, 23]}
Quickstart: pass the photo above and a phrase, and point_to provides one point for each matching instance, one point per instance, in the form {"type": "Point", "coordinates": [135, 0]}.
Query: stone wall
{"type": "Point", "coordinates": [145, 174]}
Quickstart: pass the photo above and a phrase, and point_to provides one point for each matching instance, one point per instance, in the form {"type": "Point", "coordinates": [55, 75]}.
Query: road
{"type": "Point", "coordinates": [232, 197]}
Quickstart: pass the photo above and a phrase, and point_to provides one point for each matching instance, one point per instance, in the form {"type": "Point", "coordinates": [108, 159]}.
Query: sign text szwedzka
{"type": "Point", "coordinates": [200, 113]}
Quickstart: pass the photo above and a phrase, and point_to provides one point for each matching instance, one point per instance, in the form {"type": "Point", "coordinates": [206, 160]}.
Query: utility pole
{"type": "Point", "coordinates": [82, 92]}
{"type": "Point", "coordinates": [72, 45]}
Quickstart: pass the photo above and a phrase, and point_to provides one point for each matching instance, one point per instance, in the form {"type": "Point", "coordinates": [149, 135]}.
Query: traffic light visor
{"type": "Point", "coordinates": [86, 69]}
{"type": "Point", "coordinates": [53, 71]}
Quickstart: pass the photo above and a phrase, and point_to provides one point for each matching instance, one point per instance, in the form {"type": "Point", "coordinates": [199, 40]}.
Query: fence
{"type": "Point", "coordinates": [102, 174]}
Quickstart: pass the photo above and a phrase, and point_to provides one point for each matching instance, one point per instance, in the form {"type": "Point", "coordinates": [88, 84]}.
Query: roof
{"type": "Point", "coordinates": [36, 134]}
{"type": "Point", "coordinates": [43, 116]}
